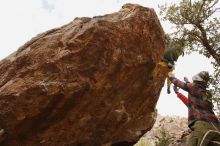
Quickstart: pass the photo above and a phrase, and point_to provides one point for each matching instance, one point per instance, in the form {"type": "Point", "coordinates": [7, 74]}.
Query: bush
{"type": "Point", "coordinates": [164, 138]}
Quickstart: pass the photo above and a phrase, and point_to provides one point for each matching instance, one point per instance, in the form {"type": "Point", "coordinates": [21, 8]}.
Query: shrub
{"type": "Point", "coordinates": [164, 138]}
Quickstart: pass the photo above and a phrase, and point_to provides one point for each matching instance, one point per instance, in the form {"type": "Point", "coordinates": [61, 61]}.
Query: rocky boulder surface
{"type": "Point", "coordinates": [172, 130]}
{"type": "Point", "coordinates": [88, 83]}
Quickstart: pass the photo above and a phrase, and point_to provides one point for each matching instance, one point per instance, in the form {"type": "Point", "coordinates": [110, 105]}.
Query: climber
{"type": "Point", "coordinates": [171, 54]}
{"type": "Point", "coordinates": [202, 121]}
{"type": "Point", "coordinates": [170, 57]}
{"type": "Point", "coordinates": [183, 98]}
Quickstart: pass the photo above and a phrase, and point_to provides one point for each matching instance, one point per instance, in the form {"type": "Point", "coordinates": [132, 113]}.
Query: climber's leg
{"type": "Point", "coordinates": [192, 139]}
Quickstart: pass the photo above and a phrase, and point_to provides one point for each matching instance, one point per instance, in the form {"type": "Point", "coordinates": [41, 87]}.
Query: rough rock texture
{"type": "Point", "coordinates": [87, 83]}
{"type": "Point", "coordinates": [175, 128]}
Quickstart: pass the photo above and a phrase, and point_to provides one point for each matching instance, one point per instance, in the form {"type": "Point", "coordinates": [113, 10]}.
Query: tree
{"type": "Point", "coordinates": [197, 28]}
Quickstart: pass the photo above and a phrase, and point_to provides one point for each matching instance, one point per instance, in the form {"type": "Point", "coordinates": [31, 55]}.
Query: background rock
{"type": "Point", "coordinates": [87, 83]}
{"type": "Point", "coordinates": [175, 128]}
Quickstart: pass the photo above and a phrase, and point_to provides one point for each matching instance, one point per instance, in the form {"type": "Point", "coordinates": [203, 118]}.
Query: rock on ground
{"type": "Point", "coordinates": [172, 129]}
{"type": "Point", "coordinates": [87, 83]}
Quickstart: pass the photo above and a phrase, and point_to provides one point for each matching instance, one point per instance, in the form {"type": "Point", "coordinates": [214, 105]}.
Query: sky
{"type": "Point", "coordinates": [23, 19]}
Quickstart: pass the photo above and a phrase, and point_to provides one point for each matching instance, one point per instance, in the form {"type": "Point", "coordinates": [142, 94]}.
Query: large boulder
{"type": "Point", "coordinates": [88, 83]}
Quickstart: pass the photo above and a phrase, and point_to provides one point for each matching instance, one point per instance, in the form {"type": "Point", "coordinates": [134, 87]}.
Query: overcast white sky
{"type": "Point", "coordinates": [23, 19]}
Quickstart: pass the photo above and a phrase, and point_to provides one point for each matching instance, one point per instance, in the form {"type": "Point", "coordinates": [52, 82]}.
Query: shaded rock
{"type": "Point", "coordinates": [87, 83]}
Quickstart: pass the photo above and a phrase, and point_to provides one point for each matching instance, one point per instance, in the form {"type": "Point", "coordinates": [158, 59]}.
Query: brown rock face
{"type": "Point", "coordinates": [87, 83]}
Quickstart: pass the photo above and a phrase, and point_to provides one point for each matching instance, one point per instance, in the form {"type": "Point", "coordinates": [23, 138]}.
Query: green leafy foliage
{"type": "Point", "coordinates": [197, 28]}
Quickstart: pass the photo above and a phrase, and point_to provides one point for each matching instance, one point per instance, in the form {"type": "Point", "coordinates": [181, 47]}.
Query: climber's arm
{"type": "Point", "coordinates": [180, 84]}
{"type": "Point", "coordinates": [183, 98]}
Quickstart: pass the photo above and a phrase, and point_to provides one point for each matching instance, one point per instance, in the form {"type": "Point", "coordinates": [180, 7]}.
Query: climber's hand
{"type": "Point", "coordinates": [186, 79]}
{"type": "Point", "coordinates": [176, 89]}
{"type": "Point", "coordinates": [171, 75]}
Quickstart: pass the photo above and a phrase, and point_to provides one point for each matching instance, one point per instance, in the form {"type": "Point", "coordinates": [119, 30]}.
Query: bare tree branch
{"type": "Point", "coordinates": [200, 9]}
{"type": "Point", "coordinates": [206, 44]}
